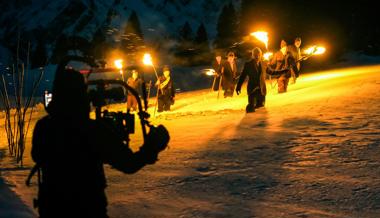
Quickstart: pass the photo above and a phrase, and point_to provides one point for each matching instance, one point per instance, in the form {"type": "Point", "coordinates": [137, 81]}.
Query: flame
{"type": "Point", "coordinates": [262, 36]}
{"type": "Point", "coordinates": [118, 64]}
{"type": "Point", "coordinates": [267, 56]}
{"type": "Point", "coordinates": [314, 50]}
{"type": "Point", "coordinates": [147, 60]}
{"type": "Point", "coordinates": [210, 72]}
{"type": "Point", "coordinates": [320, 50]}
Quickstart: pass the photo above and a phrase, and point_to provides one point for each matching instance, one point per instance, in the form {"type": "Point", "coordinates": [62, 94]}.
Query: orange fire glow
{"type": "Point", "coordinates": [147, 59]}
{"type": "Point", "coordinates": [262, 36]}
{"type": "Point", "coordinates": [118, 64]}
{"type": "Point", "coordinates": [267, 56]}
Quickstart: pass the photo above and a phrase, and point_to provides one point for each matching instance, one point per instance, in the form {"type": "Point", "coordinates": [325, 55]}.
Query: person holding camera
{"type": "Point", "coordinates": [70, 149]}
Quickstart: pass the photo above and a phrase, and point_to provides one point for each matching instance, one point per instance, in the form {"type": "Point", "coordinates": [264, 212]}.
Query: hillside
{"type": "Point", "coordinates": [312, 152]}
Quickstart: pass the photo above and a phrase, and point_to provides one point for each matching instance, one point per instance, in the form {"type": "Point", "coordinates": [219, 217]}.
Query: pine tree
{"type": "Point", "coordinates": [39, 55]}
{"type": "Point", "coordinates": [186, 32]}
{"type": "Point", "coordinates": [98, 44]}
{"type": "Point", "coordinates": [202, 55]}
{"type": "Point", "coordinates": [132, 41]}
{"type": "Point", "coordinates": [133, 25]}
{"type": "Point", "coordinates": [185, 50]}
{"type": "Point", "coordinates": [227, 27]}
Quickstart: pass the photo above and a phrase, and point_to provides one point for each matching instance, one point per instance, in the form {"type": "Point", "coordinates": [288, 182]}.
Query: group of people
{"type": "Point", "coordinates": [165, 89]}
{"type": "Point", "coordinates": [284, 64]}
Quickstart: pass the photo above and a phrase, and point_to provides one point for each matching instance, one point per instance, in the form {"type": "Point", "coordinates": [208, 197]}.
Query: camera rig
{"type": "Point", "coordinates": [122, 123]}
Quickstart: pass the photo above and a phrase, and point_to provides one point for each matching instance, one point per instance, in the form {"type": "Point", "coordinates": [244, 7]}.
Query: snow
{"type": "Point", "coordinates": [311, 152]}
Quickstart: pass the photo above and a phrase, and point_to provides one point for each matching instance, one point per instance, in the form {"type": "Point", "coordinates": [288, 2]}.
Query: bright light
{"type": "Point", "coordinates": [267, 56]}
{"type": "Point", "coordinates": [314, 50]}
{"type": "Point", "coordinates": [262, 36]}
{"type": "Point", "coordinates": [147, 60]}
{"type": "Point", "coordinates": [320, 50]}
{"type": "Point", "coordinates": [119, 64]}
{"type": "Point", "coordinates": [209, 72]}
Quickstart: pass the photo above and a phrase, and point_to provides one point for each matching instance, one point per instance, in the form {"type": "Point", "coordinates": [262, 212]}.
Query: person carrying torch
{"type": "Point", "coordinates": [217, 66]}
{"type": "Point", "coordinates": [166, 91]}
{"type": "Point", "coordinates": [281, 65]}
{"type": "Point", "coordinates": [135, 82]}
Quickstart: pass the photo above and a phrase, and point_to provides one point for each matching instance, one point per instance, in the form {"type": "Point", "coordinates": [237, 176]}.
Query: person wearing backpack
{"type": "Point", "coordinates": [70, 149]}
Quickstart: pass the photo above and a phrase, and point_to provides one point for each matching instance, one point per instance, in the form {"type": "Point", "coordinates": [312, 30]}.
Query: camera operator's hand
{"type": "Point", "coordinates": [157, 140]}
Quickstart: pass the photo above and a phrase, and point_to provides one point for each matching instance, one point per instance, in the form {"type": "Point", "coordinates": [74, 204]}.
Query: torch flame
{"type": "Point", "coordinates": [119, 64]}
{"type": "Point", "coordinates": [262, 36]}
{"type": "Point", "coordinates": [147, 60]}
{"type": "Point", "coordinates": [267, 56]}
{"type": "Point", "coordinates": [210, 72]}
{"type": "Point", "coordinates": [320, 50]}
{"type": "Point", "coordinates": [314, 50]}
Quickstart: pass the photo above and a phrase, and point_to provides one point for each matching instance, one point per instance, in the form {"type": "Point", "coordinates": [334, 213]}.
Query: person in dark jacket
{"type": "Point", "coordinates": [256, 88]}
{"type": "Point", "coordinates": [166, 91]}
{"type": "Point", "coordinates": [229, 75]}
{"type": "Point", "coordinates": [135, 82]}
{"type": "Point", "coordinates": [217, 66]}
{"type": "Point", "coordinates": [295, 51]}
{"type": "Point", "coordinates": [70, 149]}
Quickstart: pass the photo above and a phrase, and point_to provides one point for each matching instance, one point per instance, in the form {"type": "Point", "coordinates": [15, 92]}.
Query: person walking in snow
{"type": "Point", "coordinates": [229, 75]}
{"type": "Point", "coordinates": [166, 91]}
{"type": "Point", "coordinates": [135, 82]}
{"type": "Point", "coordinates": [281, 65]}
{"type": "Point", "coordinates": [256, 88]}
{"type": "Point", "coordinates": [217, 66]}
{"type": "Point", "coordinates": [295, 51]}
{"type": "Point", "coordinates": [69, 150]}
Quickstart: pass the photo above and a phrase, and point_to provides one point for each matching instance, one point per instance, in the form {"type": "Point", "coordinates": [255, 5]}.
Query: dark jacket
{"type": "Point", "coordinates": [229, 74]}
{"type": "Point", "coordinates": [217, 67]}
{"type": "Point", "coordinates": [256, 77]}
{"type": "Point", "coordinates": [167, 90]}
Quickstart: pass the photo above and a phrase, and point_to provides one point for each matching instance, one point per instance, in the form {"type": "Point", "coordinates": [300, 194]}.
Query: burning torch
{"type": "Point", "coordinates": [311, 51]}
{"type": "Point", "coordinates": [147, 60]}
{"type": "Point", "coordinates": [119, 65]}
{"type": "Point", "coordinates": [263, 37]}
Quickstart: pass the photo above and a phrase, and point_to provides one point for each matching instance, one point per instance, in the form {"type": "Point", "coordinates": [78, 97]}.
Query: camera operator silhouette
{"type": "Point", "coordinates": [70, 149]}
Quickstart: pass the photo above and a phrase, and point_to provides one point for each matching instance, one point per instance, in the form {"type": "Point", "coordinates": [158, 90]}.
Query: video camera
{"type": "Point", "coordinates": [103, 91]}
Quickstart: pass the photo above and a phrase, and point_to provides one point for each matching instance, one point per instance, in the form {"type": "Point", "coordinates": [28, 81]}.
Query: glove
{"type": "Point", "coordinates": [157, 140]}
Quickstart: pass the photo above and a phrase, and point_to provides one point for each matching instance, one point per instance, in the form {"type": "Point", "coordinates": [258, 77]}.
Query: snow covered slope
{"type": "Point", "coordinates": [312, 152]}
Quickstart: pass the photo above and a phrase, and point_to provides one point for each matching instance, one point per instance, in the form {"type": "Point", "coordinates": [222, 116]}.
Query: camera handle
{"type": "Point", "coordinates": [143, 115]}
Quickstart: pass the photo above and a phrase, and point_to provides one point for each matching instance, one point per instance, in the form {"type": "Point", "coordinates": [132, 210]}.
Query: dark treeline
{"type": "Point", "coordinates": [343, 25]}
